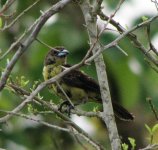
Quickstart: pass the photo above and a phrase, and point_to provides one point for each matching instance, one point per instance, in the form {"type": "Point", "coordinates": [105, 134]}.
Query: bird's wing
{"type": "Point", "coordinates": [79, 79]}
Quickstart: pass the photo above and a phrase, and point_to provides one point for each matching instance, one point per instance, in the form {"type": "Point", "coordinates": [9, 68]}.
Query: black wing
{"type": "Point", "coordinates": [79, 79]}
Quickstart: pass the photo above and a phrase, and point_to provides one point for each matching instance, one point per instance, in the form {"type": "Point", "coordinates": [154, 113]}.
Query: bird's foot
{"type": "Point", "coordinates": [68, 105]}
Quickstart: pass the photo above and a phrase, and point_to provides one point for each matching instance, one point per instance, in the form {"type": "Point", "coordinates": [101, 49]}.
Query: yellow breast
{"type": "Point", "coordinates": [49, 72]}
{"type": "Point", "coordinates": [75, 94]}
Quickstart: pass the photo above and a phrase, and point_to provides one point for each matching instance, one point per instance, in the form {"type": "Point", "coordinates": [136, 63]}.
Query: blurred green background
{"type": "Point", "coordinates": [131, 79]}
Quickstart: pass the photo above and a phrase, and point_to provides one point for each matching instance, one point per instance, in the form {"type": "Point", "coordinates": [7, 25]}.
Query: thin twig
{"type": "Point", "coordinates": [66, 96]}
{"type": "Point", "coordinates": [80, 142]}
{"type": "Point", "coordinates": [152, 66]}
{"type": "Point", "coordinates": [111, 16]}
{"type": "Point", "coordinates": [36, 120]}
{"type": "Point", "coordinates": [19, 16]}
{"type": "Point", "coordinates": [96, 146]}
{"type": "Point", "coordinates": [150, 147]}
{"type": "Point", "coordinates": [152, 47]}
{"type": "Point", "coordinates": [156, 3]}
{"type": "Point", "coordinates": [8, 16]}
{"type": "Point", "coordinates": [43, 43]}
{"type": "Point", "coordinates": [121, 50]}
{"type": "Point", "coordinates": [149, 100]}
{"type": "Point", "coordinates": [6, 6]}
{"type": "Point", "coordinates": [118, 7]}
{"type": "Point", "coordinates": [46, 45]}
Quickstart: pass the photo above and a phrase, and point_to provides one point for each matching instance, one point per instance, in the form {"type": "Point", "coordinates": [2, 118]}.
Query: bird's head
{"type": "Point", "coordinates": [56, 56]}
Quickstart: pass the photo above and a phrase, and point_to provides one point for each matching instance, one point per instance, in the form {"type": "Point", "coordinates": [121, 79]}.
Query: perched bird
{"type": "Point", "coordinates": [78, 86]}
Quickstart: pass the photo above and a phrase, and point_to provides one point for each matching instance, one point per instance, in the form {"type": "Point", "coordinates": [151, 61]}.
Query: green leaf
{"type": "Point", "coordinates": [39, 96]}
{"type": "Point", "coordinates": [144, 18]}
{"type": "Point", "coordinates": [149, 129]}
{"type": "Point", "coordinates": [154, 128]}
{"type": "Point", "coordinates": [29, 108]}
{"type": "Point", "coordinates": [124, 146]}
{"type": "Point", "coordinates": [132, 142]}
{"type": "Point", "coordinates": [24, 83]}
{"type": "Point", "coordinates": [95, 109]}
{"type": "Point", "coordinates": [1, 22]}
{"type": "Point", "coordinates": [35, 85]}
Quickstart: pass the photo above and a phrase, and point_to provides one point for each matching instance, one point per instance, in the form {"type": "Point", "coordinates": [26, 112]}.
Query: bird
{"type": "Point", "coordinates": [76, 84]}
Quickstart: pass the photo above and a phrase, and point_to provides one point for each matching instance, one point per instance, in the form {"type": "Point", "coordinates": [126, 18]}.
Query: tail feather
{"type": "Point", "coordinates": [122, 113]}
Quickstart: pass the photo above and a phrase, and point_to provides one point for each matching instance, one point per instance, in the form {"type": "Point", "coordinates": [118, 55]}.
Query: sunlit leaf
{"type": "Point", "coordinates": [132, 142]}
{"type": "Point", "coordinates": [154, 128]}
{"type": "Point", "coordinates": [124, 146]}
{"type": "Point", "coordinates": [144, 18]}
{"type": "Point", "coordinates": [148, 128]}
{"type": "Point", "coordinates": [1, 22]}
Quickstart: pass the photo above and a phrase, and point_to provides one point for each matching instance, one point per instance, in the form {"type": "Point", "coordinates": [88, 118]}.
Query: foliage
{"type": "Point", "coordinates": [131, 79]}
{"type": "Point", "coordinates": [132, 144]}
{"type": "Point", "coordinates": [151, 132]}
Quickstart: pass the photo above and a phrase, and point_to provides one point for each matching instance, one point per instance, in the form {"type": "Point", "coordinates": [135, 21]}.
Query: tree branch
{"type": "Point", "coordinates": [132, 36]}
{"type": "Point", "coordinates": [36, 120]}
{"type": "Point", "coordinates": [107, 114]}
{"type": "Point", "coordinates": [54, 108]}
{"type": "Point", "coordinates": [72, 131]}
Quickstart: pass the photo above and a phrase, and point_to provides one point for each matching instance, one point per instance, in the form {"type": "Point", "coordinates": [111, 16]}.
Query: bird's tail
{"type": "Point", "coordinates": [122, 113]}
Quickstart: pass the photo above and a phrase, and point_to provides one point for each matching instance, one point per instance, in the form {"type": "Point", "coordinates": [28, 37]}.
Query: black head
{"type": "Point", "coordinates": [56, 55]}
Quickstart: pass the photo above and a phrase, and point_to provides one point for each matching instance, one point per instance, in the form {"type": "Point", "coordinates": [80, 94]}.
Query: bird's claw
{"type": "Point", "coordinates": [69, 107]}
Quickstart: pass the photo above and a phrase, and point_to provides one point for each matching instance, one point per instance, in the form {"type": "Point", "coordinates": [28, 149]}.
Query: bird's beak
{"type": "Point", "coordinates": [63, 53]}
